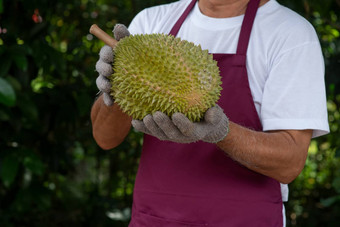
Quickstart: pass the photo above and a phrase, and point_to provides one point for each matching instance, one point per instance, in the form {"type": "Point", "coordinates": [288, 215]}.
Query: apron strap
{"type": "Point", "coordinates": [180, 21]}
{"type": "Point", "coordinates": [247, 26]}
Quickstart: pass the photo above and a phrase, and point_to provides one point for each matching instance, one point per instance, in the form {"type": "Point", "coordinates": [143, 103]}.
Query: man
{"type": "Point", "coordinates": [227, 169]}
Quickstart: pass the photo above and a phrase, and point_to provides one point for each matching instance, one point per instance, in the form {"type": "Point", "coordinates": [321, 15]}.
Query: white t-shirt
{"type": "Point", "coordinates": [284, 60]}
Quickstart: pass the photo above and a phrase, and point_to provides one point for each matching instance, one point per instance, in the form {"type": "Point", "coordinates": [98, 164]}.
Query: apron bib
{"type": "Point", "coordinates": [197, 184]}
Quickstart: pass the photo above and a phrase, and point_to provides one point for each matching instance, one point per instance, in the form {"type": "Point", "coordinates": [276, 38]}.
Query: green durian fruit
{"type": "Point", "coordinates": [158, 72]}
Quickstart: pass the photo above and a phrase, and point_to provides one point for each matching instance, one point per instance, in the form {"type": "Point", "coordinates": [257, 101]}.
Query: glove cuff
{"type": "Point", "coordinates": [220, 133]}
{"type": "Point", "coordinates": [107, 99]}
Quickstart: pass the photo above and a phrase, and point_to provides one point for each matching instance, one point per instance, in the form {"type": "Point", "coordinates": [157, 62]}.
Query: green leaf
{"type": "Point", "coordinates": [34, 164]}
{"type": "Point", "coordinates": [1, 6]}
{"type": "Point", "coordinates": [7, 94]}
{"type": "Point", "coordinates": [9, 169]}
{"type": "Point", "coordinates": [337, 153]}
{"type": "Point", "coordinates": [28, 107]}
{"type": "Point", "coordinates": [21, 62]}
{"type": "Point", "coordinates": [330, 201]}
{"type": "Point", "coordinates": [336, 184]}
{"type": "Point", "coordinates": [14, 82]}
{"type": "Point", "coordinates": [5, 64]}
{"type": "Point", "coordinates": [18, 54]}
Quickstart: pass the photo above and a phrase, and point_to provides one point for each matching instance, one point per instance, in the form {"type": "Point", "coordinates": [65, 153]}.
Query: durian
{"type": "Point", "coordinates": [158, 72]}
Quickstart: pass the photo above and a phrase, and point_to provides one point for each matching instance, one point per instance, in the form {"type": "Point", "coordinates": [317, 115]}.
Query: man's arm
{"type": "Point", "coordinates": [110, 125]}
{"type": "Point", "coordinates": [277, 154]}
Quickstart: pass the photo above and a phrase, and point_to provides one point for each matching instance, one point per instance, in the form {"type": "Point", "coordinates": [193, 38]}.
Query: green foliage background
{"type": "Point", "coordinates": [52, 173]}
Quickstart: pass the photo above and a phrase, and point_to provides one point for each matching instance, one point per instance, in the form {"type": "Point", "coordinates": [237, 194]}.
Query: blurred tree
{"type": "Point", "coordinates": [52, 171]}
{"type": "Point", "coordinates": [315, 194]}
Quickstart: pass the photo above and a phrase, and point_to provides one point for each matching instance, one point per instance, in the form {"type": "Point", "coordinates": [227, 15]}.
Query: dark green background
{"type": "Point", "coordinates": [52, 173]}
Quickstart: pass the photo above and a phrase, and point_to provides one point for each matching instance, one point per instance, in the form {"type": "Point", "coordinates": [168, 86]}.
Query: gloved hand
{"type": "Point", "coordinates": [180, 129]}
{"type": "Point", "coordinates": [104, 64]}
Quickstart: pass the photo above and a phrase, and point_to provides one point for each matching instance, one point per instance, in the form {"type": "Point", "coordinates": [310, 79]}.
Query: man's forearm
{"type": "Point", "coordinates": [277, 154]}
{"type": "Point", "coordinates": [110, 125]}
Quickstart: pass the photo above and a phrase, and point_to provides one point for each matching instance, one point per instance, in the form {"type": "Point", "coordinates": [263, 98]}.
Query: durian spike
{"type": "Point", "coordinates": [103, 36]}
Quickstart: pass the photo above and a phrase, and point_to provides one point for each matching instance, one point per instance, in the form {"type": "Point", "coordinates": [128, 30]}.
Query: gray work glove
{"type": "Point", "coordinates": [104, 64]}
{"type": "Point", "coordinates": [180, 129]}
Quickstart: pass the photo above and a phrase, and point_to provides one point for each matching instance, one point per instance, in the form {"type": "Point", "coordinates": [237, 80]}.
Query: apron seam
{"type": "Point", "coordinates": [207, 197]}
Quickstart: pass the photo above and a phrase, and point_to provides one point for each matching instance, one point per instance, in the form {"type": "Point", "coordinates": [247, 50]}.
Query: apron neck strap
{"type": "Point", "coordinates": [180, 21]}
{"type": "Point", "coordinates": [246, 28]}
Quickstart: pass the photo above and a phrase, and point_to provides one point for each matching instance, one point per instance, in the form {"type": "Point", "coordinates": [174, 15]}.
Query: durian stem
{"type": "Point", "coordinates": [103, 36]}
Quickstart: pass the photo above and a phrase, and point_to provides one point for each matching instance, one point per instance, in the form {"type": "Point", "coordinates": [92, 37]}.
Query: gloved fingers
{"type": "Point", "coordinates": [219, 132]}
{"type": "Point", "coordinates": [103, 68]}
{"type": "Point", "coordinates": [214, 115]}
{"type": "Point", "coordinates": [103, 84]}
{"type": "Point", "coordinates": [154, 128]}
{"type": "Point", "coordinates": [106, 54]}
{"type": "Point", "coordinates": [186, 126]}
{"type": "Point", "coordinates": [120, 31]}
{"type": "Point", "coordinates": [108, 100]}
{"type": "Point", "coordinates": [140, 126]}
{"type": "Point", "coordinates": [167, 126]}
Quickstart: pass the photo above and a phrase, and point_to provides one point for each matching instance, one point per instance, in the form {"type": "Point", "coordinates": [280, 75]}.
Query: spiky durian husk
{"type": "Point", "coordinates": [158, 72]}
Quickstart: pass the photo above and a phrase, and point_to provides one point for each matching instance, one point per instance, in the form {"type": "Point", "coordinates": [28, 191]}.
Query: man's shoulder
{"type": "Point", "coordinates": [284, 27]}
{"type": "Point", "coordinates": [289, 22]}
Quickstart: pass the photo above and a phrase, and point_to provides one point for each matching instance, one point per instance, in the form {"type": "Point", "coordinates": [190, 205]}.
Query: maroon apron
{"type": "Point", "coordinates": [197, 184]}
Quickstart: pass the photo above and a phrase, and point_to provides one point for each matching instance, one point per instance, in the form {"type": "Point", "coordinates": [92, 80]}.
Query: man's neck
{"type": "Point", "coordinates": [224, 8]}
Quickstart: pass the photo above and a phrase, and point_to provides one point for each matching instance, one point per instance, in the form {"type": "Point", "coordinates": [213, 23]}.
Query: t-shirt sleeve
{"type": "Point", "coordinates": [137, 25]}
{"type": "Point", "coordinates": [294, 94]}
